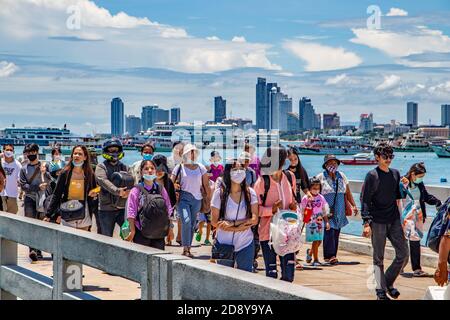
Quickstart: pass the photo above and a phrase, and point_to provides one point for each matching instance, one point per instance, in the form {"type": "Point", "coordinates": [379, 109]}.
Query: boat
{"type": "Point", "coordinates": [337, 145]}
{"type": "Point", "coordinates": [413, 142]}
{"type": "Point", "coordinates": [360, 159]}
{"type": "Point", "coordinates": [442, 151]}
{"type": "Point", "coordinates": [39, 135]}
{"type": "Point", "coordinates": [92, 143]}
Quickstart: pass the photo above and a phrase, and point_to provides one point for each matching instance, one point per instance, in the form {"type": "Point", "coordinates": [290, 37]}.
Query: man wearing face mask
{"type": "Point", "coordinates": [147, 151]}
{"type": "Point", "coordinates": [12, 169]}
{"type": "Point", "coordinates": [34, 179]}
{"type": "Point", "coordinates": [109, 214]}
{"type": "Point", "coordinates": [380, 213]}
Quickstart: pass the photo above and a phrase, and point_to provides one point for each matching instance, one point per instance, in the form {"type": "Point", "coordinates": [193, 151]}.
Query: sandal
{"type": "Point", "coordinates": [299, 267]}
{"type": "Point", "coordinates": [308, 256]}
{"type": "Point", "coordinates": [420, 273]}
{"type": "Point", "coordinates": [334, 261]}
{"type": "Point", "coordinates": [393, 293]}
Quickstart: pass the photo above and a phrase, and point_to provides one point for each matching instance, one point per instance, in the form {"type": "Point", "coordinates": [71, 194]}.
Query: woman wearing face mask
{"type": "Point", "coordinates": [147, 151]}
{"type": "Point", "coordinates": [335, 189]}
{"type": "Point", "coordinates": [76, 182]}
{"type": "Point", "coordinates": [148, 181]}
{"type": "Point", "coordinates": [234, 210]}
{"type": "Point", "coordinates": [414, 212]}
{"type": "Point", "coordinates": [57, 164]}
{"type": "Point", "coordinates": [190, 178]}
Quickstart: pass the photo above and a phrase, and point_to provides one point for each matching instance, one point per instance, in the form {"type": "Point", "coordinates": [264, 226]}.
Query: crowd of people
{"type": "Point", "coordinates": [236, 199]}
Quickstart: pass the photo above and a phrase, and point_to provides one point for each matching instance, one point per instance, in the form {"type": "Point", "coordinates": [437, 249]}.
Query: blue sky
{"type": "Point", "coordinates": [174, 52]}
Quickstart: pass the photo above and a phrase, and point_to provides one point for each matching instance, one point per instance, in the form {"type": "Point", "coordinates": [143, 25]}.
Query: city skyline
{"type": "Point", "coordinates": [327, 54]}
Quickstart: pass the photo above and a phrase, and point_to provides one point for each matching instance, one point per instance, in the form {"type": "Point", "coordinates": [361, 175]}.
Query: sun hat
{"type": "Point", "coordinates": [328, 158]}
{"type": "Point", "coordinates": [188, 148]}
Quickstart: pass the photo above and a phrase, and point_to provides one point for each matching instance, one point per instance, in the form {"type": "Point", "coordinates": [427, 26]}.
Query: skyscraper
{"type": "Point", "coordinates": [153, 114]}
{"type": "Point", "coordinates": [308, 118]}
{"type": "Point", "coordinates": [262, 111]}
{"type": "Point", "coordinates": [285, 108]}
{"type": "Point", "coordinates": [331, 121]}
{"type": "Point", "coordinates": [366, 122]}
{"type": "Point", "coordinates": [117, 117]}
{"type": "Point", "coordinates": [412, 113]}
{"type": "Point", "coordinates": [133, 125]}
{"type": "Point", "coordinates": [445, 114]}
{"type": "Point", "coordinates": [175, 115]}
{"type": "Point", "coordinates": [220, 109]}
{"type": "Point", "coordinates": [293, 121]}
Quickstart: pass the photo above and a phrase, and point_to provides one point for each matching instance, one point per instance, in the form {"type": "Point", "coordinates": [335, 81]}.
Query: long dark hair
{"type": "Point", "coordinates": [293, 151]}
{"type": "Point", "coordinates": [87, 168]}
{"type": "Point", "coordinates": [143, 164]}
{"type": "Point", "coordinates": [416, 168]}
{"type": "Point", "coordinates": [226, 190]}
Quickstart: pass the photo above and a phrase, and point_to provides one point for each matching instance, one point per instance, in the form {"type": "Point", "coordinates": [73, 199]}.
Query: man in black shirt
{"type": "Point", "coordinates": [381, 216]}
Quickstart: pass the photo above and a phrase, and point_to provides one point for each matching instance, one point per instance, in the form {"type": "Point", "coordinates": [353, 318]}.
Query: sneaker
{"type": "Point", "coordinates": [420, 273]}
{"type": "Point", "coordinates": [207, 243]}
{"type": "Point", "coordinates": [308, 256]}
{"type": "Point", "coordinates": [39, 255]}
{"type": "Point", "coordinates": [393, 293]}
{"type": "Point", "coordinates": [198, 237]}
{"type": "Point", "coordinates": [33, 256]}
{"type": "Point", "coordinates": [316, 264]}
{"type": "Point", "coordinates": [381, 295]}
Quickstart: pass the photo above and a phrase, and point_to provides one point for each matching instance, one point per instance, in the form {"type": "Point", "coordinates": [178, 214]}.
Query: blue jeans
{"type": "Point", "coordinates": [108, 219]}
{"type": "Point", "coordinates": [287, 263]}
{"type": "Point", "coordinates": [188, 208]}
{"type": "Point", "coordinates": [243, 259]}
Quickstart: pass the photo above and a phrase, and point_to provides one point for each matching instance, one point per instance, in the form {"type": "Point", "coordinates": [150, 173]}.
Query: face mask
{"type": "Point", "coordinates": [190, 161]}
{"type": "Point", "coordinates": [237, 176]}
{"type": "Point", "coordinates": [77, 165]}
{"type": "Point", "coordinates": [57, 158]}
{"type": "Point", "coordinates": [332, 169]}
{"type": "Point", "coordinates": [147, 156]}
{"type": "Point", "coordinates": [216, 163]}
{"type": "Point", "coordinates": [418, 181]}
{"type": "Point", "coordinates": [32, 157]}
{"type": "Point", "coordinates": [9, 154]}
{"type": "Point", "coordinates": [149, 177]}
{"type": "Point", "coordinates": [314, 192]}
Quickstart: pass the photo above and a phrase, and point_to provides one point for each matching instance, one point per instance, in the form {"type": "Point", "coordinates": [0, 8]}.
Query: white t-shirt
{"type": "Point", "coordinates": [191, 180]}
{"type": "Point", "coordinates": [242, 239]}
{"type": "Point", "coordinates": [12, 171]}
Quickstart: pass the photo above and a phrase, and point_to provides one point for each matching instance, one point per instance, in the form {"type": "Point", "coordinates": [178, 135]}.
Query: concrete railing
{"type": "Point", "coordinates": [161, 275]}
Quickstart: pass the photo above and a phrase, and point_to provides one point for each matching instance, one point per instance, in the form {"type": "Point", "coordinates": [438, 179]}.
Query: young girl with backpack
{"type": "Point", "coordinates": [414, 212]}
{"type": "Point", "coordinates": [148, 195]}
{"type": "Point", "coordinates": [234, 210]}
{"type": "Point", "coordinates": [314, 211]}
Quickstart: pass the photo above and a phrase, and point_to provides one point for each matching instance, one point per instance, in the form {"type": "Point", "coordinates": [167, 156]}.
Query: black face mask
{"type": "Point", "coordinates": [32, 157]}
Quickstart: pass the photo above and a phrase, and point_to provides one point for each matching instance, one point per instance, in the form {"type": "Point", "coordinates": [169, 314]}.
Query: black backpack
{"type": "Point", "coordinates": [266, 179]}
{"type": "Point", "coordinates": [153, 213]}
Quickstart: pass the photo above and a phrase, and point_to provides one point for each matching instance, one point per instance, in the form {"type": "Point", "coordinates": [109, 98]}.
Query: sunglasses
{"type": "Point", "coordinates": [387, 156]}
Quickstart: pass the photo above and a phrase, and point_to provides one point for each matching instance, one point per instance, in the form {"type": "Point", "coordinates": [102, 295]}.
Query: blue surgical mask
{"type": "Point", "coordinates": [418, 181]}
{"type": "Point", "coordinates": [77, 164]}
{"type": "Point", "coordinates": [147, 156]}
{"type": "Point", "coordinates": [149, 177]}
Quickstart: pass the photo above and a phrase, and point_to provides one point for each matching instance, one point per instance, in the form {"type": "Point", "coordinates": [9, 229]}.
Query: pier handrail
{"type": "Point", "coordinates": [163, 276]}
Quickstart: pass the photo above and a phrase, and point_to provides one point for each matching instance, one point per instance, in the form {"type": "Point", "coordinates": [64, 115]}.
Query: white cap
{"type": "Point", "coordinates": [188, 148]}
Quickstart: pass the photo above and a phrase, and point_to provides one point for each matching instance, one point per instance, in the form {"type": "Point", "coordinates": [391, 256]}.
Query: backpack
{"type": "Point", "coordinates": [152, 213]}
{"type": "Point", "coordinates": [438, 226]}
{"type": "Point", "coordinates": [397, 181]}
{"type": "Point", "coordinates": [285, 232]}
{"type": "Point", "coordinates": [266, 178]}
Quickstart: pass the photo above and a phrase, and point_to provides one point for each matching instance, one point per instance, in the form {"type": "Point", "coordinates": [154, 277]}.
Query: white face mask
{"type": "Point", "coordinates": [9, 154]}
{"type": "Point", "coordinates": [237, 176]}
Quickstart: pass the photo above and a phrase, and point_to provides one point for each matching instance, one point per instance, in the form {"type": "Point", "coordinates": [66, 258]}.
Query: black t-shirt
{"type": "Point", "coordinates": [384, 207]}
{"type": "Point", "coordinates": [302, 181]}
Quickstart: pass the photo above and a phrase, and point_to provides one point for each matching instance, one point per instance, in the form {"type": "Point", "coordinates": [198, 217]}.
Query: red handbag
{"type": "Point", "coordinates": [308, 213]}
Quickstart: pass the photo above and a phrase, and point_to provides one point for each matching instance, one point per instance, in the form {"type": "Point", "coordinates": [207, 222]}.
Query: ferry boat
{"type": "Point", "coordinates": [337, 145]}
{"type": "Point", "coordinates": [442, 151]}
{"type": "Point", "coordinates": [92, 143]}
{"type": "Point", "coordinates": [39, 135]}
{"type": "Point", "coordinates": [413, 142]}
{"type": "Point", "coordinates": [360, 159]}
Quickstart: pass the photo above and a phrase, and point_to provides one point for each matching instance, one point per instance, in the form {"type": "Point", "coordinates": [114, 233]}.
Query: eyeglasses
{"type": "Point", "coordinates": [388, 156]}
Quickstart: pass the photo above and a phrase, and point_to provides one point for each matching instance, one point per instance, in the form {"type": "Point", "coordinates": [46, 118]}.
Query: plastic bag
{"type": "Point", "coordinates": [125, 230]}
{"type": "Point", "coordinates": [413, 222]}
{"type": "Point", "coordinates": [285, 232]}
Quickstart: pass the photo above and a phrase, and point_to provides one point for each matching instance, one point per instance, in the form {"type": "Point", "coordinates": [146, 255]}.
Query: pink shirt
{"type": "Point", "coordinates": [133, 203]}
{"type": "Point", "coordinates": [215, 172]}
{"type": "Point", "coordinates": [319, 205]}
{"type": "Point", "coordinates": [255, 164]}
{"type": "Point", "coordinates": [278, 191]}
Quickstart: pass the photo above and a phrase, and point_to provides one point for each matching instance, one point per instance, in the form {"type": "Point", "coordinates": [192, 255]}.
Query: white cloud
{"type": "Point", "coordinates": [341, 79]}
{"type": "Point", "coordinates": [319, 57]}
{"type": "Point", "coordinates": [127, 41]}
{"type": "Point", "coordinates": [401, 44]}
{"type": "Point", "coordinates": [442, 89]}
{"type": "Point", "coordinates": [238, 39]}
{"type": "Point", "coordinates": [397, 12]}
{"type": "Point", "coordinates": [389, 82]}
{"type": "Point", "coordinates": [7, 69]}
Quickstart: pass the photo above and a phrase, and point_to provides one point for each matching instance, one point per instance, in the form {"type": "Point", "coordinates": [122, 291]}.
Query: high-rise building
{"type": "Point", "coordinates": [412, 110]}
{"type": "Point", "coordinates": [285, 106]}
{"type": "Point", "coordinates": [366, 122]}
{"type": "Point", "coordinates": [153, 114]}
{"type": "Point", "coordinates": [445, 114]}
{"type": "Point", "coordinates": [175, 115]}
{"type": "Point", "coordinates": [133, 125]}
{"type": "Point", "coordinates": [220, 109]}
{"type": "Point", "coordinates": [331, 121]}
{"type": "Point", "coordinates": [317, 121]}
{"type": "Point", "coordinates": [308, 118]}
{"type": "Point", "coordinates": [262, 110]}
{"type": "Point", "coordinates": [293, 121]}
{"type": "Point", "coordinates": [117, 117]}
